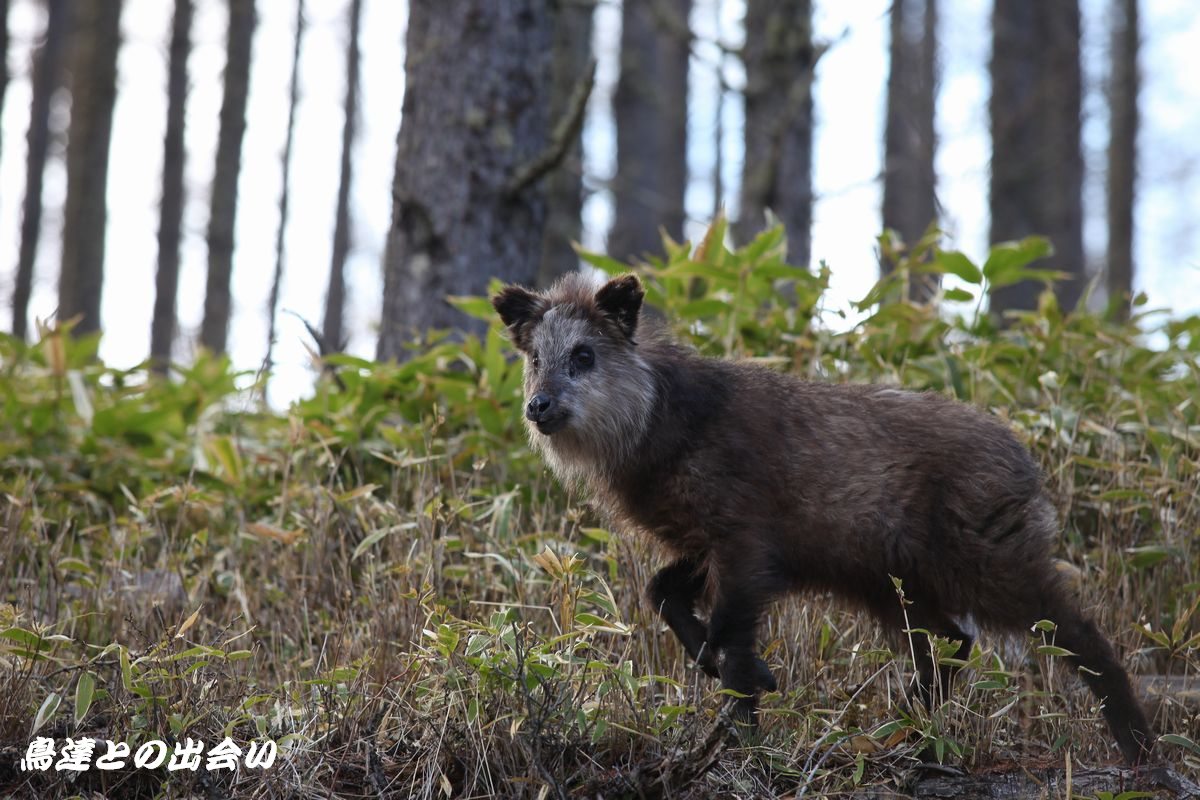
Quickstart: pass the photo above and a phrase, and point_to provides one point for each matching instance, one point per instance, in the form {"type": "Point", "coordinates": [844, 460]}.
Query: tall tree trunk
{"type": "Point", "coordinates": [1122, 153]}
{"type": "Point", "coordinates": [285, 185]}
{"type": "Point", "coordinates": [332, 333]}
{"type": "Point", "coordinates": [214, 330]}
{"type": "Point", "coordinates": [909, 182]}
{"type": "Point", "coordinates": [651, 115]}
{"type": "Point", "coordinates": [1037, 163]}
{"type": "Point", "coordinates": [166, 284]}
{"type": "Point", "coordinates": [476, 111]}
{"type": "Point", "coordinates": [3, 63]}
{"type": "Point", "coordinates": [95, 42]}
{"type": "Point", "coordinates": [564, 186]}
{"type": "Point", "coordinates": [47, 78]}
{"type": "Point", "coordinates": [777, 172]}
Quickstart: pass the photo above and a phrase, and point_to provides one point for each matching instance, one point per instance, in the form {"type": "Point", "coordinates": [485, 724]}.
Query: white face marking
{"type": "Point", "coordinates": [608, 406]}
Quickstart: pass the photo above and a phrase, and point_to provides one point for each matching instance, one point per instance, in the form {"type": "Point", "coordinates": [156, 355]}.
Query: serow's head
{"type": "Point", "coordinates": [584, 379]}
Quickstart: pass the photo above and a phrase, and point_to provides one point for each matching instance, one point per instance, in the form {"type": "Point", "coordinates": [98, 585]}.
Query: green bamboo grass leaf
{"type": "Point", "coordinates": [477, 307]}
{"type": "Point", "coordinates": [952, 262]}
{"type": "Point", "coordinates": [85, 691]}
{"type": "Point", "coordinates": [1180, 740]}
{"type": "Point", "coordinates": [46, 711]}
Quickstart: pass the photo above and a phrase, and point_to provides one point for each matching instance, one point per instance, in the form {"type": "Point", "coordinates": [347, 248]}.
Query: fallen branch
{"type": "Point", "coordinates": [1017, 784]}
{"type": "Point", "coordinates": [672, 773]}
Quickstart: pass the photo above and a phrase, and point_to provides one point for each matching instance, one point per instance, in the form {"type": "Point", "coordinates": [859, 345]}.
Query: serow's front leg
{"type": "Point", "coordinates": [731, 636]}
{"type": "Point", "coordinates": [674, 591]}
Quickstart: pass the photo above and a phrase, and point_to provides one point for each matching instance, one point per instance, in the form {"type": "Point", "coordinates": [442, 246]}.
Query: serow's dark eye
{"type": "Point", "coordinates": [535, 360]}
{"type": "Point", "coordinates": [583, 357]}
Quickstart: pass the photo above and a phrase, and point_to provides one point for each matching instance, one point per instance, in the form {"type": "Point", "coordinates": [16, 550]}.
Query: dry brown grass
{"type": "Point", "coordinates": [384, 582]}
{"type": "Point", "coordinates": [345, 666]}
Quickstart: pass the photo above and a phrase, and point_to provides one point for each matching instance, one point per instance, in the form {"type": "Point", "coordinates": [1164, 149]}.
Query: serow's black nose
{"type": "Point", "coordinates": [538, 407]}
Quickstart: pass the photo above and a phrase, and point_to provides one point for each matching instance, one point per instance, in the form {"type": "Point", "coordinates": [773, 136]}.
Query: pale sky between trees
{"type": "Point", "coordinates": [851, 81]}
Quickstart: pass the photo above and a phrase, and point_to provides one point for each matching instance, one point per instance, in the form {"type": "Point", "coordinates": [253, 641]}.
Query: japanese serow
{"type": "Point", "coordinates": [759, 484]}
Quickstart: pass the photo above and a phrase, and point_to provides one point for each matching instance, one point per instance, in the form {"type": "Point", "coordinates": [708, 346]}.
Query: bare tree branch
{"type": "Point", "coordinates": [565, 132]}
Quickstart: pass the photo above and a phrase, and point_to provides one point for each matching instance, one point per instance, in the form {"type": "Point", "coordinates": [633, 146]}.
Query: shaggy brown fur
{"type": "Point", "coordinates": [761, 484]}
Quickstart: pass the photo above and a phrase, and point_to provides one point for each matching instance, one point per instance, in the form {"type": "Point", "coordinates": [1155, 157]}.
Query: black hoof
{"type": "Point", "coordinates": [744, 713]}
{"type": "Point", "coordinates": [748, 675]}
{"type": "Point", "coordinates": [763, 677]}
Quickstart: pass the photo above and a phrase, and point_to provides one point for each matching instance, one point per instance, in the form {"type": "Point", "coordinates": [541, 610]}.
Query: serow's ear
{"type": "Point", "coordinates": [621, 300]}
{"type": "Point", "coordinates": [520, 310]}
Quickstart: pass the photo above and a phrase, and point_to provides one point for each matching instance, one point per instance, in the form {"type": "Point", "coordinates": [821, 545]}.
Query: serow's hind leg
{"type": "Point", "coordinates": [916, 622]}
{"type": "Point", "coordinates": [908, 623]}
{"type": "Point", "coordinates": [1102, 672]}
{"type": "Point", "coordinates": [934, 679]}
